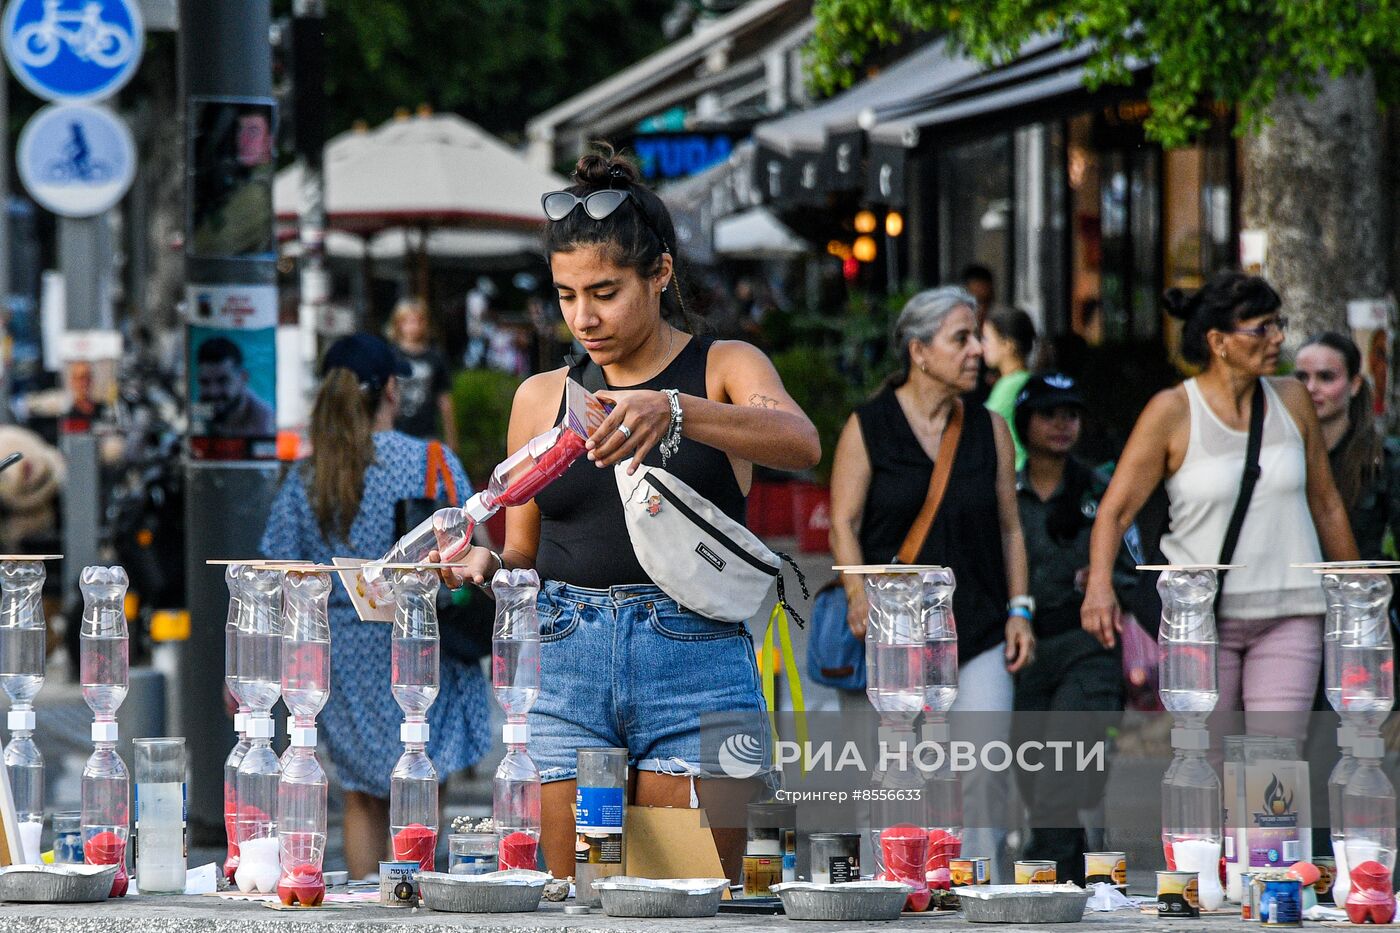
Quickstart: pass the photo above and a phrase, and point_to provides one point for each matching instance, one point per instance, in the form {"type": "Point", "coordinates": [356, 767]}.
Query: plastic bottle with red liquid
{"type": "Point", "coordinates": [414, 655]}
{"type": "Point", "coordinates": [942, 791]}
{"type": "Point", "coordinates": [103, 659]}
{"type": "Point", "coordinates": [260, 644]}
{"type": "Point", "coordinates": [515, 680]}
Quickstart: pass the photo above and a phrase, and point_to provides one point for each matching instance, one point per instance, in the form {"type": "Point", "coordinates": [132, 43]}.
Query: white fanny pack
{"type": "Point", "coordinates": [697, 555]}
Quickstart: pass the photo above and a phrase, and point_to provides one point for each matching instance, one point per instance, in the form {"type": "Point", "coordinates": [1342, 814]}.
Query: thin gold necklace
{"type": "Point", "coordinates": [665, 355]}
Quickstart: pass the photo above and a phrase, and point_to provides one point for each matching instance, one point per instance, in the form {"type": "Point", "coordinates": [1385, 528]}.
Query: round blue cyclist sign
{"type": "Point", "coordinates": [76, 160]}
{"type": "Point", "coordinates": [73, 49]}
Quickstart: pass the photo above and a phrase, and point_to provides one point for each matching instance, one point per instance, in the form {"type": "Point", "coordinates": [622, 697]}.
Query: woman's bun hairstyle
{"type": "Point", "coordinates": [1228, 298]}
{"type": "Point", "coordinates": [605, 168]}
{"type": "Point", "coordinates": [635, 236]}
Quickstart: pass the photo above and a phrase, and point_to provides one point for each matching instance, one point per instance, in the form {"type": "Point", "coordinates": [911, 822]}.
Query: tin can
{"type": "Point", "coordinates": [1247, 909]}
{"type": "Point", "coordinates": [772, 831]}
{"type": "Point", "coordinates": [761, 871]}
{"type": "Point", "coordinates": [835, 858]}
{"type": "Point", "coordinates": [1178, 894]}
{"type": "Point", "coordinates": [976, 869]}
{"type": "Point", "coordinates": [1106, 868]}
{"type": "Point", "coordinates": [1034, 871]}
{"type": "Point", "coordinates": [398, 884]}
{"type": "Point", "coordinates": [1326, 877]}
{"type": "Point", "coordinates": [1281, 904]}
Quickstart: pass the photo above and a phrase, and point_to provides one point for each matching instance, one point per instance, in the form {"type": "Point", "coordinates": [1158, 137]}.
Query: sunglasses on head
{"type": "Point", "coordinates": [598, 205]}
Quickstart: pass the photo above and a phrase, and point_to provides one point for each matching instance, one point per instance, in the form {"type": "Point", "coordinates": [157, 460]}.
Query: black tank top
{"type": "Point", "coordinates": [966, 534]}
{"type": "Point", "coordinates": [583, 535]}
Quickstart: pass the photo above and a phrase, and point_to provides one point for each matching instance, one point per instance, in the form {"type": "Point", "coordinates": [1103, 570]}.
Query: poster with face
{"type": "Point", "coordinates": [232, 365]}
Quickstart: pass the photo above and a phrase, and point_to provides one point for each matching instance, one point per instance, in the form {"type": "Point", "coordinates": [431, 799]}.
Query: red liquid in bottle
{"type": "Point", "coordinates": [107, 848]}
{"type": "Point", "coordinates": [519, 850]}
{"type": "Point", "coordinates": [416, 843]}
{"type": "Point", "coordinates": [303, 885]}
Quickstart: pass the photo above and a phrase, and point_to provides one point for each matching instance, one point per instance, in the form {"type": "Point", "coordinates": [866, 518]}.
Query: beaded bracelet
{"type": "Point", "coordinates": [671, 443]}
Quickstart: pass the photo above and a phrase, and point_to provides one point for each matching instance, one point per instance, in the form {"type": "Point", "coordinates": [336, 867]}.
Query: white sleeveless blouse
{"type": "Point", "coordinates": [1278, 528]}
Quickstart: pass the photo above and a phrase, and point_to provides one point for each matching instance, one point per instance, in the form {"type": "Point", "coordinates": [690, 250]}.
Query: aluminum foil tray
{"type": "Point", "coordinates": [513, 891]}
{"type": "Point", "coordinates": [625, 896]}
{"type": "Point", "coordinates": [1023, 903]}
{"type": "Point", "coordinates": [56, 884]}
{"type": "Point", "coordinates": [855, 900]}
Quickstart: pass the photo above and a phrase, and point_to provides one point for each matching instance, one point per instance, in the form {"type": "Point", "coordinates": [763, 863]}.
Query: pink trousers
{"type": "Point", "coordinates": [1267, 666]}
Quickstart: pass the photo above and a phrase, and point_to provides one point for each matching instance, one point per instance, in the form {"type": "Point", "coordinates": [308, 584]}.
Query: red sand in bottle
{"type": "Point", "coordinates": [416, 843]}
{"type": "Point", "coordinates": [519, 850]}
{"type": "Point", "coordinates": [1371, 899]}
{"type": "Point", "coordinates": [942, 846]}
{"type": "Point", "coordinates": [107, 848]}
{"type": "Point", "coordinates": [550, 465]}
{"type": "Point", "coordinates": [905, 853]}
{"type": "Point", "coordinates": [303, 885]}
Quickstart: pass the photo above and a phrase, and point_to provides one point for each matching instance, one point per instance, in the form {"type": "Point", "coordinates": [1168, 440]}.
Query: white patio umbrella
{"type": "Point", "coordinates": [420, 174]}
{"type": "Point", "coordinates": [434, 170]}
{"type": "Point", "coordinates": [757, 234]}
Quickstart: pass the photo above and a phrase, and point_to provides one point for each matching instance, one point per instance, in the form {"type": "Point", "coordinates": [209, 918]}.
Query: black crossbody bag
{"type": "Point", "coordinates": [1153, 522]}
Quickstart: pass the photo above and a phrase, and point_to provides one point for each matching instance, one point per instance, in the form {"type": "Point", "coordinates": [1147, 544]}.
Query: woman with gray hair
{"type": "Point", "coordinates": [885, 461]}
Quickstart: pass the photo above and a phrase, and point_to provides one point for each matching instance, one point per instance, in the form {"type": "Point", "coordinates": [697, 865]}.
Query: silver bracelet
{"type": "Point", "coordinates": [671, 443]}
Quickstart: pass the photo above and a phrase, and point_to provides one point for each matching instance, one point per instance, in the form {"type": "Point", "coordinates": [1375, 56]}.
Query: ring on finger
{"type": "Point", "coordinates": [625, 431]}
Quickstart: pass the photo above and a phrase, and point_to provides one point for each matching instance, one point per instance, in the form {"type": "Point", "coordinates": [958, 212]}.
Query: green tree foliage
{"type": "Point", "coordinates": [1242, 52]}
{"type": "Point", "coordinates": [496, 62]}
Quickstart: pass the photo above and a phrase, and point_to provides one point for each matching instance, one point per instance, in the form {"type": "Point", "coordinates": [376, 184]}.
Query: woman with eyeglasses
{"type": "Point", "coordinates": [622, 664]}
{"type": "Point", "coordinates": [1194, 437]}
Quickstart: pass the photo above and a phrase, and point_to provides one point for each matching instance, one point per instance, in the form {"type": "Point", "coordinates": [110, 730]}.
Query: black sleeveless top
{"type": "Point", "coordinates": [966, 533]}
{"type": "Point", "coordinates": [583, 535]}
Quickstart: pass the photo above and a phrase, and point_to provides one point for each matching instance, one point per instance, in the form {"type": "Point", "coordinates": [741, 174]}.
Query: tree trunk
{"type": "Point", "coordinates": [1313, 184]}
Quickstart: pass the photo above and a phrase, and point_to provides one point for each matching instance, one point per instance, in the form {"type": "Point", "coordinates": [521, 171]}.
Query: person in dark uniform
{"type": "Point", "coordinates": [1057, 497]}
{"type": "Point", "coordinates": [622, 664]}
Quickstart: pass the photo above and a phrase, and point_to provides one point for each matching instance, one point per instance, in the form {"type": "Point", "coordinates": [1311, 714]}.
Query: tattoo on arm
{"type": "Point", "coordinates": [762, 401]}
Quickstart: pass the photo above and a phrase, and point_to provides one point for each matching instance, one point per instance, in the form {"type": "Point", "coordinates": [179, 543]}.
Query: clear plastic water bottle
{"type": "Point", "coordinates": [231, 763]}
{"type": "Point", "coordinates": [943, 792]}
{"type": "Point", "coordinates": [301, 822]}
{"type": "Point", "coordinates": [26, 770]}
{"type": "Point", "coordinates": [414, 650]}
{"type": "Point", "coordinates": [515, 797]}
{"type": "Point", "coordinates": [447, 531]}
{"type": "Point", "coordinates": [103, 642]}
{"type": "Point", "coordinates": [413, 799]}
{"type": "Point", "coordinates": [1368, 813]}
{"type": "Point", "coordinates": [414, 655]}
{"type": "Point", "coordinates": [103, 662]}
{"type": "Point", "coordinates": [895, 644]}
{"type": "Point", "coordinates": [22, 642]}
{"type": "Point", "coordinates": [106, 805]}
{"type": "Point", "coordinates": [1188, 642]}
{"type": "Point", "coordinates": [1366, 653]}
{"type": "Point", "coordinates": [306, 632]}
{"type": "Point", "coordinates": [1191, 814]}
{"type": "Point", "coordinates": [1336, 793]}
{"type": "Point", "coordinates": [1331, 640]}
{"type": "Point", "coordinates": [260, 638]}
{"type": "Point", "coordinates": [940, 641]}
{"type": "Point", "coordinates": [234, 581]}
{"type": "Point", "coordinates": [257, 783]}
{"type": "Point", "coordinates": [515, 642]}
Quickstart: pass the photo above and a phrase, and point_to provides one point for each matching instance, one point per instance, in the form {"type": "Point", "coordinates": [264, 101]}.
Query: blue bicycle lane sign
{"type": "Point", "coordinates": [73, 50]}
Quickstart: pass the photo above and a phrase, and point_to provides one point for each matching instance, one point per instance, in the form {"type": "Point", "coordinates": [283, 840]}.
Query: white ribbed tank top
{"type": "Point", "coordinates": [1278, 528]}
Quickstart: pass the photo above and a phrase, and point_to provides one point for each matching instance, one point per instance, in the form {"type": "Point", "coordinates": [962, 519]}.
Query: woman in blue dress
{"type": "Point", "coordinates": [340, 502]}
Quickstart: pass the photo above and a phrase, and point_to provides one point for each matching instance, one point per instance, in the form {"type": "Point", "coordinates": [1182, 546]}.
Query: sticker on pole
{"type": "Point", "coordinates": [76, 160]}
{"type": "Point", "coordinates": [73, 49]}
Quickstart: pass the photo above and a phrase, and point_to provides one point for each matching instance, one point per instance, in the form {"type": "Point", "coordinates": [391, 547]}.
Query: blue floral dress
{"type": "Point", "coordinates": [360, 724]}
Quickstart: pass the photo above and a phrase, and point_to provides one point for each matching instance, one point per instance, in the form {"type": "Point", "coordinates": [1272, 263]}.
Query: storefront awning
{"type": "Point", "coordinates": [756, 234]}
{"type": "Point", "coordinates": [1036, 78]}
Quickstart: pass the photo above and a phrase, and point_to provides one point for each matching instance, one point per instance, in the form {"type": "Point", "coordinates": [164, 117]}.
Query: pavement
{"type": "Point", "coordinates": [201, 914]}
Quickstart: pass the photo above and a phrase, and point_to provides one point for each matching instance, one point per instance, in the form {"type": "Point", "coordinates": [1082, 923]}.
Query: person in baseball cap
{"type": "Point", "coordinates": [1045, 393]}
{"type": "Point", "coordinates": [1057, 498]}
{"type": "Point", "coordinates": [369, 357]}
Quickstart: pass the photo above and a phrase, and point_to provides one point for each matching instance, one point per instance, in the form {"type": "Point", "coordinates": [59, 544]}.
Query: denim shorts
{"type": "Point", "coordinates": [628, 668]}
